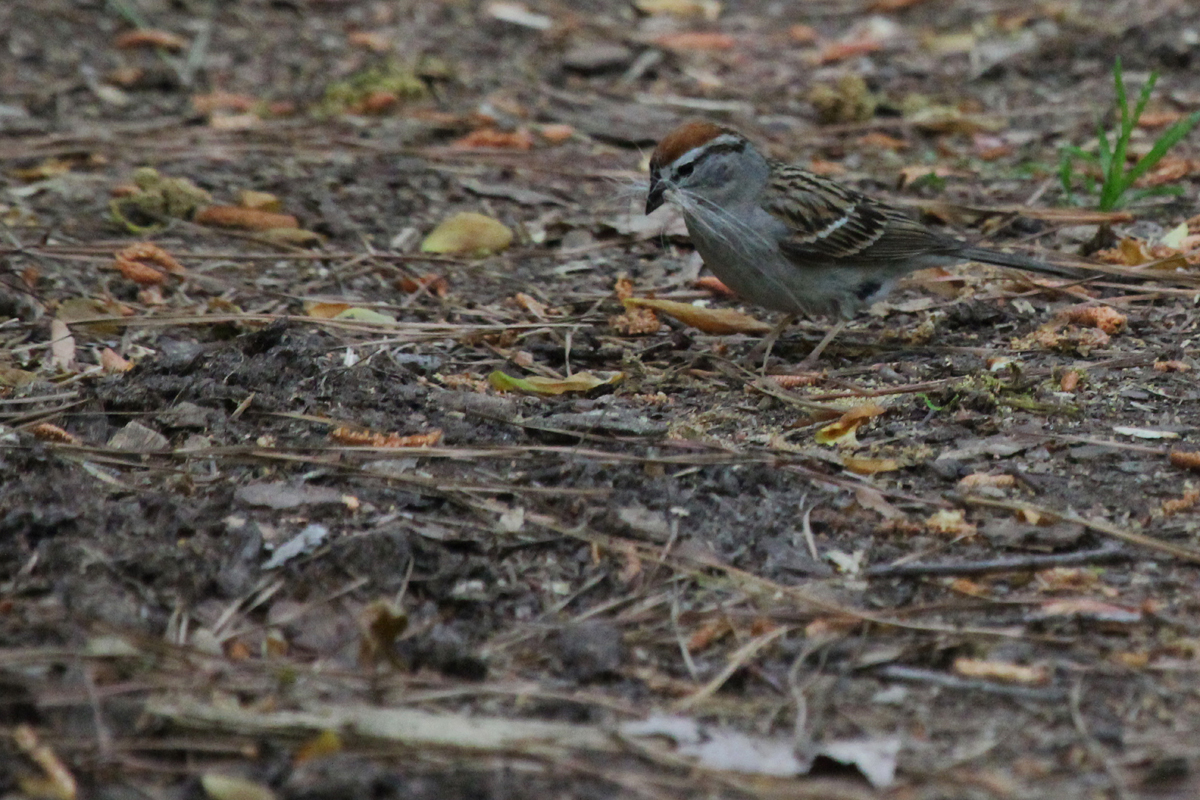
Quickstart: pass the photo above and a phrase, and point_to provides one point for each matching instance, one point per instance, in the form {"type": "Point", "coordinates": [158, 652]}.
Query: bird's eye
{"type": "Point", "coordinates": [686, 169]}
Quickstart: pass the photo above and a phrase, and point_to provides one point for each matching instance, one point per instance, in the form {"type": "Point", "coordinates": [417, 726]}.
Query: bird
{"type": "Point", "coordinates": [790, 240]}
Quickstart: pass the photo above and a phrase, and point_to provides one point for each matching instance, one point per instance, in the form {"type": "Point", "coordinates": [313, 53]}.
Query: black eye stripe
{"type": "Point", "coordinates": [685, 169]}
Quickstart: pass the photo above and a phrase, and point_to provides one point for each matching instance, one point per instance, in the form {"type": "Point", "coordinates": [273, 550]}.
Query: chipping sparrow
{"type": "Point", "coordinates": [790, 240]}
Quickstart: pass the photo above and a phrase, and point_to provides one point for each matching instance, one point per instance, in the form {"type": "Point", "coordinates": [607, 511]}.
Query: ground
{"type": "Point", "coordinates": [268, 517]}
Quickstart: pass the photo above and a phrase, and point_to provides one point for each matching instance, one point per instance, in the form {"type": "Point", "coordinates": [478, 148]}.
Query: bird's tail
{"type": "Point", "coordinates": [1019, 262]}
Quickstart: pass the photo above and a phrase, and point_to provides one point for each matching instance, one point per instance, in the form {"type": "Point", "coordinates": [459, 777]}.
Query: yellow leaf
{"type": "Point", "coordinates": [842, 430]}
{"type": "Point", "coordinates": [579, 382]}
{"type": "Point", "coordinates": [870, 466]}
{"type": "Point", "coordinates": [709, 320]}
{"type": "Point", "coordinates": [227, 787]}
{"type": "Point", "coordinates": [322, 310]}
{"type": "Point", "coordinates": [366, 315]}
{"type": "Point", "coordinates": [468, 232]}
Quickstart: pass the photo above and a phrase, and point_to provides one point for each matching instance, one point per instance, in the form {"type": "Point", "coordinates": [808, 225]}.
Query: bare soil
{"type": "Point", "coordinates": [677, 543]}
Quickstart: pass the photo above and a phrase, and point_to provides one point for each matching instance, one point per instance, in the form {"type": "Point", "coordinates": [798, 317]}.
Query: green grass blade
{"type": "Point", "coordinates": [1170, 137]}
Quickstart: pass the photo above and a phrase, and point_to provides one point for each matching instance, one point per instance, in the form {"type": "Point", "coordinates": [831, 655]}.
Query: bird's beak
{"type": "Point", "coordinates": [654, 198]}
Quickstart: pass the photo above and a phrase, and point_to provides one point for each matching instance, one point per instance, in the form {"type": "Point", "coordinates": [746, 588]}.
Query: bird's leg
{"type": "Point", "coordinates": [811, 359]}
{"type": "Point", "coordinates": [768, 343]}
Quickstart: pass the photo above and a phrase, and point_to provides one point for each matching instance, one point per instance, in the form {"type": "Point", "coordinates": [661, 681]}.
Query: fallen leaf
{"type": "Point", "coordinates": [1172, 366]}
{"type": "Point", "coordinates": [150, 37]}
{"type": "Point", "coordinates": [1002, 671]}
{"type": "Point", "coordinates": [52, 433]}
{"type": "Point", "coordinates": [323, 310]}
{"type": "Point", "coordinates": [370, 40]}
{"type": "Point", "coordinates": [556, 133]}
{"type": "Point", "coordinates": [112, 363]}
{"type": "Point", "coordinates": [579, 382]}
{"type": "Point", "coordinates": [436, 284]}
{"type": "Point", "coordinates": [1185, 503]}
{"type": "Point", "coordinates": [229, 787]}
{"type": "Point", "coordinates": [370, 315]}
{"type": "Point", "coordinates": [139, 273]}
{"type": "Point", "coordinates": [1106, 318]}
{"type": "Point", "coordinates": [950, 521]}
{"type": "Point", "coordinates": [244, 218]}
{"type": "Point", "coordinates": [1144, 433]}
{"type": "Point", "coordinates": [881, 141]}
{"type": "Point", "coordinates": [259, 201]}
{"type": "Point", "coordinates": [491, 138]}
{"type": "Point", "coordinates": [207, 104]}
{"type": "Point", "coordinates": [840, 51]}
{"type": "Point", "coordinates": [13, 377]}
{"type": "Point", "coordinates": [712, 283]}
{"type": "Point", "coordinates": [326, 743]}
{"type": "Point", "coordinates": [62, 345]}
{"type": "Point", "coordinates": [843, 431]}
{"type": "Point", "coordinates": [709, 320]}
{"type": "Point", "coordinates": [470, 233]}
{"type": "Point", "coordinates": [349, 436]}
{"type": "Point", "coordinates": [870, 466]}
{"type": "Point", "coordinates": [978, 480]}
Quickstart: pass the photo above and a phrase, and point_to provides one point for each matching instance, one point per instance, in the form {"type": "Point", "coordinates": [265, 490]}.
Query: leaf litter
{"type": "Point", "coordinates": [333, 485]}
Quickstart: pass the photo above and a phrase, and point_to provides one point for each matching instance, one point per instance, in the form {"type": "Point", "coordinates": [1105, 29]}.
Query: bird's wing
{"type": "Point", "coordinates": [830, 222]}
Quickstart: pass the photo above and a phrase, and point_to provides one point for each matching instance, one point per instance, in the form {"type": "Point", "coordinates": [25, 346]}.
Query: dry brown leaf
{"type": "Point", "coordinates": [470, 233]}
{"type": "Point", "coordinates": [950, 521]}
{"type": "Point", "coordinates": [877, 140]}
{"type": "Point", "coordinates": [324, 310]}
{"type": "Point", "coordinates": [244, 218]}
{"type": "Point", "coordinates": [354, 438]}
{"type": "Point", "coordinates": [56, 781]}
{"type": "Point", "coordinates": [1066, 579]}
{"type": "Point", "coordinates": [139, 273]}
{"type": "Point", "coordinates": [1185, 503]}
{"type": "Point", "coordinates": [636, 322]}
{"type": "Point", "coordinates": [710, 632]}
{"type": "Point", "coordinates": [150, 37]}
{"type": "Point", "coordinates": [491, 138]}
{"type": "Point", "coordinates": [1170, 170]}
{"type": "Point", "coordinates": [978, 480]}
{"type": "Point", "coordinates": [1105, 318]}
{"type": "Point", "coordinates": [803, 34]}
{"type": "Point", "coordinates": [535, 307]}
{"type": "Point", "coordinates": [1173, 365]}
{"type": "Point", "coordinates": [710, 320]}
{"type": "Point", "coordinates": [840, 51]}
{"type": "Point", "coordinates": [801, 379]}
{"type": "Point", "coordinates": [1159, 119]}
{"type": "Point", "coordinates": [370, 40]}
{"type": "Point", "coordinates": [1001, 671]}
{"type": "Point", "coordinates": [1069, 381]}
{"type": "Point", "coordinates": [870, 466]}
{"type": "Point", "coordinates": [112, 363]}
{"type": "Point", "coordinates": [437, 284]}
{"type": "Point", "coordinates": [710, 283]}
{"type": "Point", "coordinates": [52, 433]}
{"type": "Point", "coordinates": [556, 133]}
{"type": "Point", "coordinates": [151, 253]}
{"type": "Point", "coordinates": [326, 743]}
{"type": "Point", "coordinates": [260, 201]}
{"type": "Point", "coordinates": [843, 430]}
{"type": "Point", "coordinates": [222, 101]}
{"type": "Point", "coordinates": [62, 345]}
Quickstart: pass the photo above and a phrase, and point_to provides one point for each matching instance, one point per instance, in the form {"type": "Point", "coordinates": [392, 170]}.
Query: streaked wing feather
{"type": "Point", "coordinates": [832, 222]}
